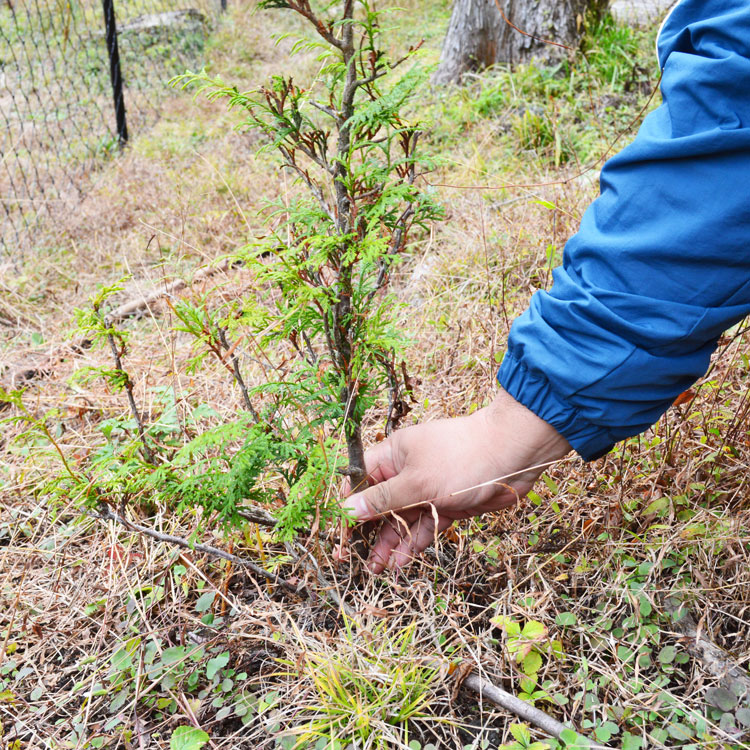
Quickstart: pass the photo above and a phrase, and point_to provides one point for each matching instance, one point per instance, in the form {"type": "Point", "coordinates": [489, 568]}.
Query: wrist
{"type": "Point", "coordinates": [517, 439]}
{"type": "Point", "coordinates": [512, 421]}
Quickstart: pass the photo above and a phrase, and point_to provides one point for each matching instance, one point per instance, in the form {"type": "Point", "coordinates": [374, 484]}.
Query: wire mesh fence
{"type": "Point", "coordinates": [76, 77]}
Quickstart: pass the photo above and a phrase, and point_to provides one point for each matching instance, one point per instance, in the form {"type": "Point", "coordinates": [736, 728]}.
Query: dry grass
{"type": "Point", "coordinates": [605, 542]}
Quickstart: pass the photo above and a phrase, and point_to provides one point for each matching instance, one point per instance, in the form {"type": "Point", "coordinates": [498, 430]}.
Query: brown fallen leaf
{"type": "Point", "coordinates": [684, 397]}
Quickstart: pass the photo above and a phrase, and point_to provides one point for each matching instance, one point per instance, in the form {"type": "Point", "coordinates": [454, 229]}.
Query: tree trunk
{"type": "Point", "coordinates": [479, 36]}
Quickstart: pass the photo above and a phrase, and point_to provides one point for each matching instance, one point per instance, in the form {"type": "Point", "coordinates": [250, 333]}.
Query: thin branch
{"type": "Point", "coordinates": [116, 352]}
{"type": "Point", "coordinates": [526, 33]}
{"type": "Point", "coordinates": [307, 354]}
{"type": "Point", "coordinates": [308, 152]}
{"type": "Point", "coordinates": [236, 372]}
{"type": "Point", "coordinates": [314, 189]}
{"type": "Point", "coordinates": [474, 681]}
{"type": "Point", "coordinates": [515, 705]}
{"type": "Point", "coordinates": [141, 303]}
{"type": "Point", "coordinates": [370, 79]}
{"type": "Point", "coordinates": [305, 560]}
{"type": "Point", "coordinates": [310, 350]}
{"type": "Point", "coordinates": [390, 66]}
{"type": "Point", "coordinates": [330, 111]}
{"type": "Point", "coordinates": [304, 9]}
{"type": "Point", "coordinates": [393, 389]}
{"type": "Point", "coordinates": [137, 306]}
{"type": "Point", "coordinates": [107, 514]}
{"type": "Point", "coordinates": [396, 239]}
{"type": "Point", "coordinates": [258, 516]}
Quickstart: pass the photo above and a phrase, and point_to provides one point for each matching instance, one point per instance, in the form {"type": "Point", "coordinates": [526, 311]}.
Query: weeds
{"type": "Point", "coordinates": [367, 692]}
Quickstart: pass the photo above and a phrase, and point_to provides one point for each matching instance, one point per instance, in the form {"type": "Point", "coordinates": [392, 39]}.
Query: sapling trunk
{"type": "Point", "coordinates": [342, 341]}
{"type": "Point", "coordinates": [342, 313]}
{"type": "Point", "coordinates": [346, 139]}
{"type": "Point", "coordinates": [117, 346]}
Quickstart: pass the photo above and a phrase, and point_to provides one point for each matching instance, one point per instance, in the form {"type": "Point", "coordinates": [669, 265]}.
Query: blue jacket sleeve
{"type": "Point", "coordinates": [661, 264]}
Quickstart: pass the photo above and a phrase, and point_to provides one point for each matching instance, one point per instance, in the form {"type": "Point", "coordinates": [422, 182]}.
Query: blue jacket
{"type": "Point", "coordinates": [661, 264]}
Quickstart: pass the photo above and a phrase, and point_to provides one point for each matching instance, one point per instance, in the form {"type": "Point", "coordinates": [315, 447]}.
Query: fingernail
{"type": "Point", "coordinates": [357, 506]}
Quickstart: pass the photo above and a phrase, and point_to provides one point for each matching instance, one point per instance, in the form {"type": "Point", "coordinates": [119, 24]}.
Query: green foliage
{"type": "Point", "coordinates": [365, 692]}
{"type": "Point", "coordinates": [612, 51]}
{"type": "Point", "coordinates": [644, 660]}
{"type": "Point", "coordinates": [324, 266]}
{"type": "Point", "coordinates": [567, 112]}
{"type": "Point", "coordinates": [151, 673]}
{"type": "Point", "coordinates": [188, 738]}
{"type": "Point", "coordinates": [528, 644]}
{"type": "Point", "coordinates": [321, 319]}
{"type": "Point", "coordinates": [523, 740]}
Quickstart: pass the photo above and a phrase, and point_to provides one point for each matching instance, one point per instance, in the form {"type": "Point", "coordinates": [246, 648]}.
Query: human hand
{"type": "Point", "coordinates": [427, 476]}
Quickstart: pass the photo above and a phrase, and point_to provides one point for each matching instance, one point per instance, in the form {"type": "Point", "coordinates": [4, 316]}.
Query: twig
{"type": "Point", "coordinates": [515, 705]}
{"type": "Point", "coordinates": [117, 352]}
{"type": "Point", "coordinates": [474, 681]}
{"type": "Point", "coordinates": [107, 514]}
{"type": "Point", "coordinates": [716, 660]}
{"type": "Point", "coordinates": [256, 515]}
{"type": "Point", "coordinates": [326, 110]}
{"type": "Point", "coordinates": [237, 373]}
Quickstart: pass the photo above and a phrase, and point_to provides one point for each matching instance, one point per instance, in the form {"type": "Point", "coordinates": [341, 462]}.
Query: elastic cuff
{"type": "Point", "coordinates": [535, 392]}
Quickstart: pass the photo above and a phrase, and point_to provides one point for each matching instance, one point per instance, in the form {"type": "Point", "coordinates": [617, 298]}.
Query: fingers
{"type": "Point", "coordinates": [379, 461]}
{"type": "Point", "coordinates": [378, 465]}
{"type": "Point", "coordinates": [400, 541]}
{"type": "Point", "coordinates": [390, 495]}
{"type": "Point", "coordinates": [391, 534]}
{"type": "Point", "coordinates": [422, 535]}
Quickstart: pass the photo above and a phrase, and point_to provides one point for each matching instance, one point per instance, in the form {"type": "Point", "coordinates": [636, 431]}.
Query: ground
{"type": "Point", "coordinates": [575, 599]}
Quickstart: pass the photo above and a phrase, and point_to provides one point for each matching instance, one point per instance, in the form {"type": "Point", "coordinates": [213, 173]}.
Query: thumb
{"type": "Point", "coordinates": [398, 492]}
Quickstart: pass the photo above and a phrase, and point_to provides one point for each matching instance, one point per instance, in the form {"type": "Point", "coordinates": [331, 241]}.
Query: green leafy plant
{"type": "Point", "coordinates": [98, 328]}
{"type": "Point", "coordinates": [327, 259]}
{"type": "Point", "coordinates": [529, 644]}
{"type": "Point", "coordinates": [366, 691]}
{"type": "Point", "coordinates": [322, 323]}
{"type": "Point", "coordinates": [188, 738]}
{"type": "Point", "coordinates": [523, 740]}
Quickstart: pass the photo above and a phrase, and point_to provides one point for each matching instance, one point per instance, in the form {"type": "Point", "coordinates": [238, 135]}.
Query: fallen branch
{"type": "Point", "coordinates": [717, 662]}
{"type": "Point", "coordinates": [40, 365]}
{"type": "Point", "coordinates": [107, 514]}
{"type": "Point", "coordinates": [515, 705]}
{"type": "Point", "coordinates": [143, 303]}
{"type": "Point", "coordinates": [502, 698]}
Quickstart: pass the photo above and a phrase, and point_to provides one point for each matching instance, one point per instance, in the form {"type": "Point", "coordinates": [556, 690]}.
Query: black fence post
{"type": "Point", "coordinates": [115, 75]}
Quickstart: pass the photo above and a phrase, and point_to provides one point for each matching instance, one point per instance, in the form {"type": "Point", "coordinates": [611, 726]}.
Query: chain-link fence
{"type": "Point", "coordinates": [76, 77]}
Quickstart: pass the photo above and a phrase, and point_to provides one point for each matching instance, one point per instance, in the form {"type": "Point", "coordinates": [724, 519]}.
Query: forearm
{"type": "Point", "coordinates": [660, 266]}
